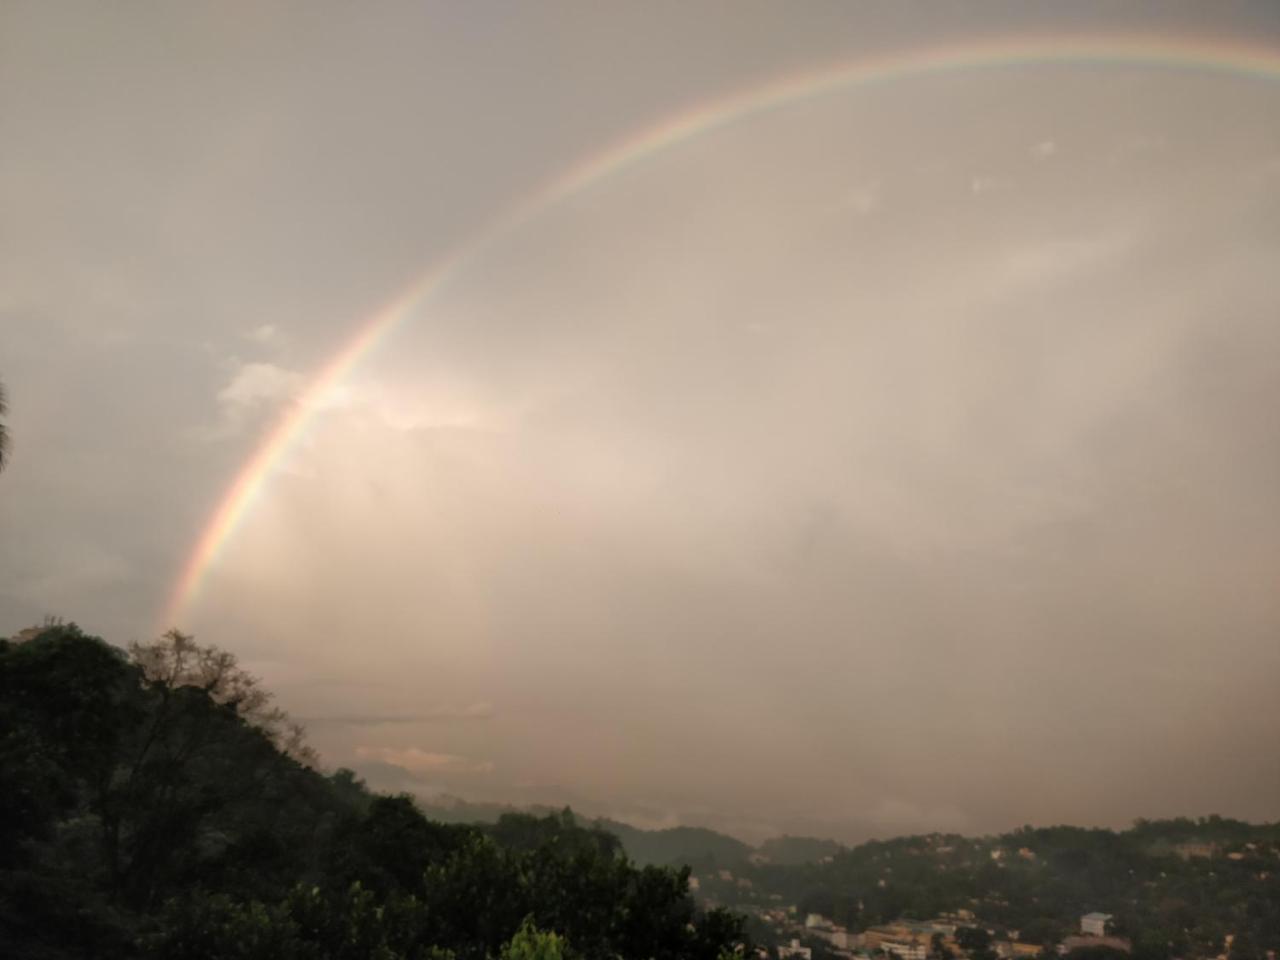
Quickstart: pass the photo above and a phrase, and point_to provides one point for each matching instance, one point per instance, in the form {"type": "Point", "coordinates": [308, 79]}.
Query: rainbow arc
{"type": "Point", "coordinates": [1222, 55]}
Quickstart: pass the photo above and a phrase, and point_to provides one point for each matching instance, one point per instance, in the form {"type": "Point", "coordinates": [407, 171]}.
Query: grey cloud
{"type": "Point", "coordinates": [475, 711]}
{"type": "Point", "coordinates": [420, 762]}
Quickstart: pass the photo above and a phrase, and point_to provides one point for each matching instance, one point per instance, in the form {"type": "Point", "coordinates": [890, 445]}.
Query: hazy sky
{"type": "Point", "coordinates": [905, 458]}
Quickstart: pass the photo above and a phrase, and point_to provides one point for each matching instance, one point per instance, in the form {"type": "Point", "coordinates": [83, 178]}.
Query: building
{"type": "Point", "coordinates": [1095, 924]}
{"type": "Point", "coordinates": [1016, 949]}
{"type": "Point", "coordinates": [794, 950]}
{"type": "Point", "coordinates": [903, 940]}
{"type": "Point", "coordinates": [833, 933]}
{"type": "Point", "coordinates": [905, 949]}
{"type": "Point", "coordinates": [842, 939]}
{"type": "Point", "coordinates": [1187, 851]}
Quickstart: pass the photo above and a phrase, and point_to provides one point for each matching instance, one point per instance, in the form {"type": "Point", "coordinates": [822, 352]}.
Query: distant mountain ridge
{"type": "Point", "coordinates": [698, 847]}
{"type": "Point", "coordinates": [703, 847]}
{"type": "Point", "coordinates": [1164, 889]}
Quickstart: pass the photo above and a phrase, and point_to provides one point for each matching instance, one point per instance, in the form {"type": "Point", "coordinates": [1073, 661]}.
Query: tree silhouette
{"type": "Point", "coordinates": [4, 433]}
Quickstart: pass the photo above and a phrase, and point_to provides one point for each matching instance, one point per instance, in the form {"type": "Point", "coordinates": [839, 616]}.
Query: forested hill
{"type": "Point", "coordinates": [706, 850]}
{"type": "Point", "coordinates": [699, 848]}
{"type": "Point", "coordinates": [1174, 888]}
{"type": "Point", "coordinates": [153, 803]}
{"type": "Point", "coordinates": [695, 847]}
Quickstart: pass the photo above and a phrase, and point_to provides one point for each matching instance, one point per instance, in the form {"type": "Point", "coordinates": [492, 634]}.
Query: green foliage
{"type": "Point", "coordinates": [695, 847]}
{"type": "Point", "coordinates": [216, 927]}
{"type": "Point", "coordinates": [797, 850]}
{"type": "Point", "coordinates": [973, 938]}
{"type": "Point", "coordinates": [530, 943]}
{"type": "Point", "coordinates": [975, 942]}
{"type": "Point", "coordinates": [158, 805]}
{"type": "Point", "coordinates": [1245, 947]}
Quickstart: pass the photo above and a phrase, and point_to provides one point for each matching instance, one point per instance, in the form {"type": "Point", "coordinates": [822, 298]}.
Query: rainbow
{"type": "Point", "coordinates": [1221, 55]}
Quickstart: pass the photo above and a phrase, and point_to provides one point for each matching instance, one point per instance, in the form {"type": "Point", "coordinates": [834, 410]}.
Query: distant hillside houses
{"type": "Point", "coordinates": [1095, 930]}
{"type": "Point", "coordinates": [923, 940]}
{"type": "Point", "coordinates": [1015, 949]}
{"type": "Point", "coordinates": [1176, 888]}
{"type": "Point", "coordinates": [905, 940]}
{"type": "Point", "coordinates": [795, 950]}
{"type": "Point", "coordinates": [1189, 851]}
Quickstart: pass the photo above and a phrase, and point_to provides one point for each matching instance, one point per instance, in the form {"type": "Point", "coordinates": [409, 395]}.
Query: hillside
{"type": "Point", "coordinates": [1174, 888]}
{"type": "Point", "coordinates": [700, 848]}
{"type": "Point", "coordinates": [695, 847]}
{"type": "Point", "coordinates": [155, 804]}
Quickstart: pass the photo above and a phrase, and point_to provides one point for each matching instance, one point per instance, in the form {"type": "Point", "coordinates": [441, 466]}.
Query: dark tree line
{"type": "Point", "coordinates": [4, 431]}
{"type": "Point", "coordinates": [155, 804]}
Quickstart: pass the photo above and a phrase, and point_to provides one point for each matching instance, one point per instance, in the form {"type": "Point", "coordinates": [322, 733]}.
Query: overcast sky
{"type": "Point", "coordinates": [903, 459]}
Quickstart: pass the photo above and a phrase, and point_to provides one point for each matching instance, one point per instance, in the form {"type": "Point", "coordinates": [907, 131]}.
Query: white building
{"type": "Point", "coordinates": [795, 950]}
{"type": "Point", "coordinates": [842, 939]}
{"type": "Point", "coordinates": [1095, 924]}
{"type": "Point", "coordinates": [905, 949]}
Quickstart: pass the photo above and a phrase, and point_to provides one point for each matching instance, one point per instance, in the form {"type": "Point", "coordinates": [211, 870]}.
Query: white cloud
{"type": "Point", "coordinates": [263, 333]}
{"type": "Point", "coordinates": [480, 710]}
{"type": "Point", "coordinates": [257, 383]}
{"type": "Point", "coordinates": [255, 388]}
{"type": "Point", "coordinates": [418, 761]}
{"type": "Point", "coordinates": [980, 184]}
{"type": "Point", "coordinates": [1031, 265]}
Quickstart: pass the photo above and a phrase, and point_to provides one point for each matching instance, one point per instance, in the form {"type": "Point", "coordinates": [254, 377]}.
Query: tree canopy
{"type": "Point", "coordinates": [155, 803]}
{"type": "Point", "coordinates": [4, 431]}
